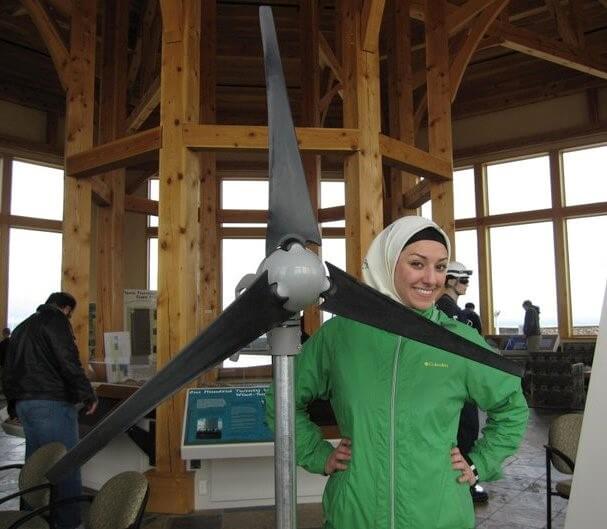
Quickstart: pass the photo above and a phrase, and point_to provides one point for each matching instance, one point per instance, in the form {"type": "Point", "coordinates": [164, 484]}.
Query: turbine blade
{"type": "Point", "coordinates": [349, 298]}
{"type": "Point", "coordinates": [290, 215]}
{"type": "Point", "coordinates": [255, 312]}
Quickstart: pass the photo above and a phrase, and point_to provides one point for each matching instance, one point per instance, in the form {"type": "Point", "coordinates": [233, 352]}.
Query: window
{"type": "Point", "coordinates": [584, 172]}
{"type": "Point", "coordinates": [523, 268]}
{"type": "Point", "coordinates": [34, 271]}
{"type": "Point", "coordinates": [333, 251]}
{"type": "Point", "coordinates": [521, 185]}
{"type": "Point", "coordinates": [37, 191]}
{"type": "Point", "coordinates": [587, 271]}
{"type": "Point", "coordinates": [153, 194]}
{"type": "Point", "coordinates": [467, 254]}
{"type": "Point", "coordinates": [153, 263]}
{"type": "Point", "coordinates": [333, 194]}
{"type": "Point", "coordinates": [240, 257]}
{"type": "Point", "coordinates": [463, 194]}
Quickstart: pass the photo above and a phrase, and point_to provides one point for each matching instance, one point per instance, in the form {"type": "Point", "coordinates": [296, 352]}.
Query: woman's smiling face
{"type": "Point", "coordinates": [420, 273]}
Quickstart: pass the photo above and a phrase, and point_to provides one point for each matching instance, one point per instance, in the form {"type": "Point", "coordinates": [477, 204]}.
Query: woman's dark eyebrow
{"type": "Point", "coordinates": [424, 257]}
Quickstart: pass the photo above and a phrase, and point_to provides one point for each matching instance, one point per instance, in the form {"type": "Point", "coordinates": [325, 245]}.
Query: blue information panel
{"type": "Point", "coordinates": [226, 415]}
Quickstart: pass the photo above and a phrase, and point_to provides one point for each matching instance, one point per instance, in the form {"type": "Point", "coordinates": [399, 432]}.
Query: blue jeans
{"type": "Point", "coordinates": [48, 421]}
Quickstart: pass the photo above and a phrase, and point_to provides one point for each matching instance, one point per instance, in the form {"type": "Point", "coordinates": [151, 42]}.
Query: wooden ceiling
{"type": "Point", "coordinates": [496, 78]}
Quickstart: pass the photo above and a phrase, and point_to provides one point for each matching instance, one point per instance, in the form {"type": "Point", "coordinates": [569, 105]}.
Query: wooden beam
{"type": "Point", "coordinates": [255, 138]}
{"type": "Point", "coordinates": [242, 216]}
{"type": "Point", "coordinates": [37, 152]}
{"type": "Point", "coordinates": [485, 278]}
{"type": "Point", "coordinates": [148, 102]}
{"type": "Point", "coordinates": [563, 23]}
{"type": "Point", "coordinates": [63, 7]}
{"type": "Point", "coordinates": [172, 487]}
{"type": "Point", "coordinates": [538, 215]}
{"type": "Point", "coordinates": [137, 204]}
{"type": "Point", "coordinates": [80, 107]}
{"type": "Point", "coordinates": [327, 58]}
{"type": "Point", "coordinates": [149, 11]}
{"type": "Point", "coordinates": [373, 12]}
{"type": "Point", "coordinates": [309, 20]}
{"type": "Point", "coordinates": [130, 150]}
{"type": "Point", "coordinates": [464, 54]}
{"type": "Point", "coordinates": [440, 140]}
{"type": "Point", "coordinates": [408, 158]}
{"type": "Point", "coordinates": [531, 43]}
{"type": "Point", "coordinates": [361, 109]}
{"type": "Point", "coordinates": [50, 35]}
{"type": "Point", "coordinates": [6, 175]}
{"type": "Point", "coordinates": [561, 251]}
{"type": "Point", "coordinates": [332, 214]}
{"type": "Point", "coordinates": [31, 223]}
{"type": "Point", "coordinates": [457, 19]}
{"type": "Point", "coordinates": [210, 199]}
{"type": "Point", "coordinates": [418, 195]}
{"type": "Point", "coordinates": [110, 220]}
{"type": "Point", "coordinates": [401, 83]}
{"type": "Point", "coordinates": [260, 233]}
{"type": "Point", "coordinates": [101, 192]}
{"type": "Point", "coordinates": [134, 181]}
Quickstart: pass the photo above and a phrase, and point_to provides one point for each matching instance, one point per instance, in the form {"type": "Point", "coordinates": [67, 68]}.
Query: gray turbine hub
{"type": "Point", "coordinates": [299, 275]}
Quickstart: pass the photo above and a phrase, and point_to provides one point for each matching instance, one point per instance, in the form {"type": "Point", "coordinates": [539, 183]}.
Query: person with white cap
{"type": "Point", "coordinates": [397, 402]}
{"type": "Point", "coordinates": [456, 285]}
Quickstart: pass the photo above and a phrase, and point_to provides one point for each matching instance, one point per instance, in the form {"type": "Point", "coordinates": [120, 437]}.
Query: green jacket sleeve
{"type": "Point", "coordinates": [501, 396]}
{"type": "Point", "coordinates": [311, 382]}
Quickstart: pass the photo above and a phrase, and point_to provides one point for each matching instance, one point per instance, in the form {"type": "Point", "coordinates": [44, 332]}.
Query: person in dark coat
{"type": "Point", "coordinates": [44, 380]}
{"type": "Point", "coordinates": [456, 285]}
{"type": "Point", "coordinates": [473, 317]}
{"type": "Point", "coordinates": [531, 326]}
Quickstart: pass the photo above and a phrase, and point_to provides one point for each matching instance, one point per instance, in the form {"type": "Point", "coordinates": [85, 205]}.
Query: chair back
{"type": "Point", "coordinates": [34, 473]}
{"type": "Point", "coordinates": [120, 502]}
{"type": "Point", "coordinates": [564, 435]}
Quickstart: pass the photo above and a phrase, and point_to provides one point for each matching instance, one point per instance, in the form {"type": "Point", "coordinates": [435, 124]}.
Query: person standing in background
{"type": "Point", "coordinates": [456, 285]}
{"type": "Point", "coordinates": [473, 317]}
{"type": "Point", "coordinates": [45, 382]}
{"type": "Point", "coordinates": [531, 326]}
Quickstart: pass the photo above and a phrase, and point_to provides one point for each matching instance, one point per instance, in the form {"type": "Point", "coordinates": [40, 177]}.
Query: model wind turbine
{"type": "Point", "coordinates": [289, 279]}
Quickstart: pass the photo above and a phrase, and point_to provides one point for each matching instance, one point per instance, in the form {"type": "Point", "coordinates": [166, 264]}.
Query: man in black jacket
{"type": "Point", "coordinates": [44, 380]}
{"type": "Point", "coordinates": [456, 284]}
{"type": "Point", "coordinates": [531, 326]}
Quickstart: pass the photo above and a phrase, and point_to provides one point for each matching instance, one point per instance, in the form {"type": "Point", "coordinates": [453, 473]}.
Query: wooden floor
{"type": "Point", "coordinates": [518, 501]}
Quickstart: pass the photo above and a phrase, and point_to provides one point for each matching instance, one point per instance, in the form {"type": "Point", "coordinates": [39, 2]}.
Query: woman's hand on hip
{"type": "Point", "coordinates": [459, 463]}
{"type": "Point", "coordinates": [339, 458]}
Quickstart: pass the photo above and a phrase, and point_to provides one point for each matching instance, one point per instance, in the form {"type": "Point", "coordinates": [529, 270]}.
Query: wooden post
{"type": "Point", "coordinates": [76, 262]}
{"type": "Point", "coordinates": [362, 170]}
{"type": "Point", "coordinates": [485, 280]}
{"type": "Point", "coordinates": [172, 488]}
{"type": "Point", "coordinates": [310, 88]}
{"type": "Point", "coordinates": [6, 168]}
{"type": "Point", "coordinates": [110, 219]}
{"type": "Point", "coordinates": [439, 111]}
{"type": "Point", "coordinates": [400, 101]}
{"type": "Point", "coordinates": [561, 252]}
{"type": "Point", "coordinates": [210, 243]}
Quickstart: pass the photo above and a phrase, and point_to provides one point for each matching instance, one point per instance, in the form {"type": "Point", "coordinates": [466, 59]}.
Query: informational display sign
{"type": "Point", "coordinates": [226, 415]}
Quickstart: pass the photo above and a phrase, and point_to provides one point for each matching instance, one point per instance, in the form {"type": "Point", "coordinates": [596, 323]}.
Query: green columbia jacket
{"type": "Point", "coordinates": [399, 401]}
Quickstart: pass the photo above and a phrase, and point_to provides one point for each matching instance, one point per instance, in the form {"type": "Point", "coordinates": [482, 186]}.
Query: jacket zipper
{"type": "Point", "coordinates": [392, 430]}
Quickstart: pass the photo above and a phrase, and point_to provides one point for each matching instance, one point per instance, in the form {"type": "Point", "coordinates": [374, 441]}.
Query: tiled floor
{"type": "Point", "coordinates": [518, 501]}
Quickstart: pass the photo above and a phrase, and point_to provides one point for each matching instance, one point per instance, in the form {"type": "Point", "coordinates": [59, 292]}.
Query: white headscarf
{"type": "Point", "coordinates": [380, 262]}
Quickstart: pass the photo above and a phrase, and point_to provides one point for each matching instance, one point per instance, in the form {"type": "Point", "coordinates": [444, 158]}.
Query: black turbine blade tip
{"type": "Point", "coordinates": [290, 215]}
{"type": "Point", "coordinates": [351, 299]}
{"type": "Point", "coordinates": [255, 312]}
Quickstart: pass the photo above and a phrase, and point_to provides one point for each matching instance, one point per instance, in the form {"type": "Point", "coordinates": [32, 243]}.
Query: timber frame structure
{"type": "Point", "coordinates": [375, 103]}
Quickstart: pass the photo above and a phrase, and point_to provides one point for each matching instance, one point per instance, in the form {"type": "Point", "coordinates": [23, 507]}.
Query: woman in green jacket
{"type": "Point", "coordinates": [397, 402]}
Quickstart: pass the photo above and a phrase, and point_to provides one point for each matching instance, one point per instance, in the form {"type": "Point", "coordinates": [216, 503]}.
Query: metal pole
{"type": "Point", "coordinates": [284, 343]}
